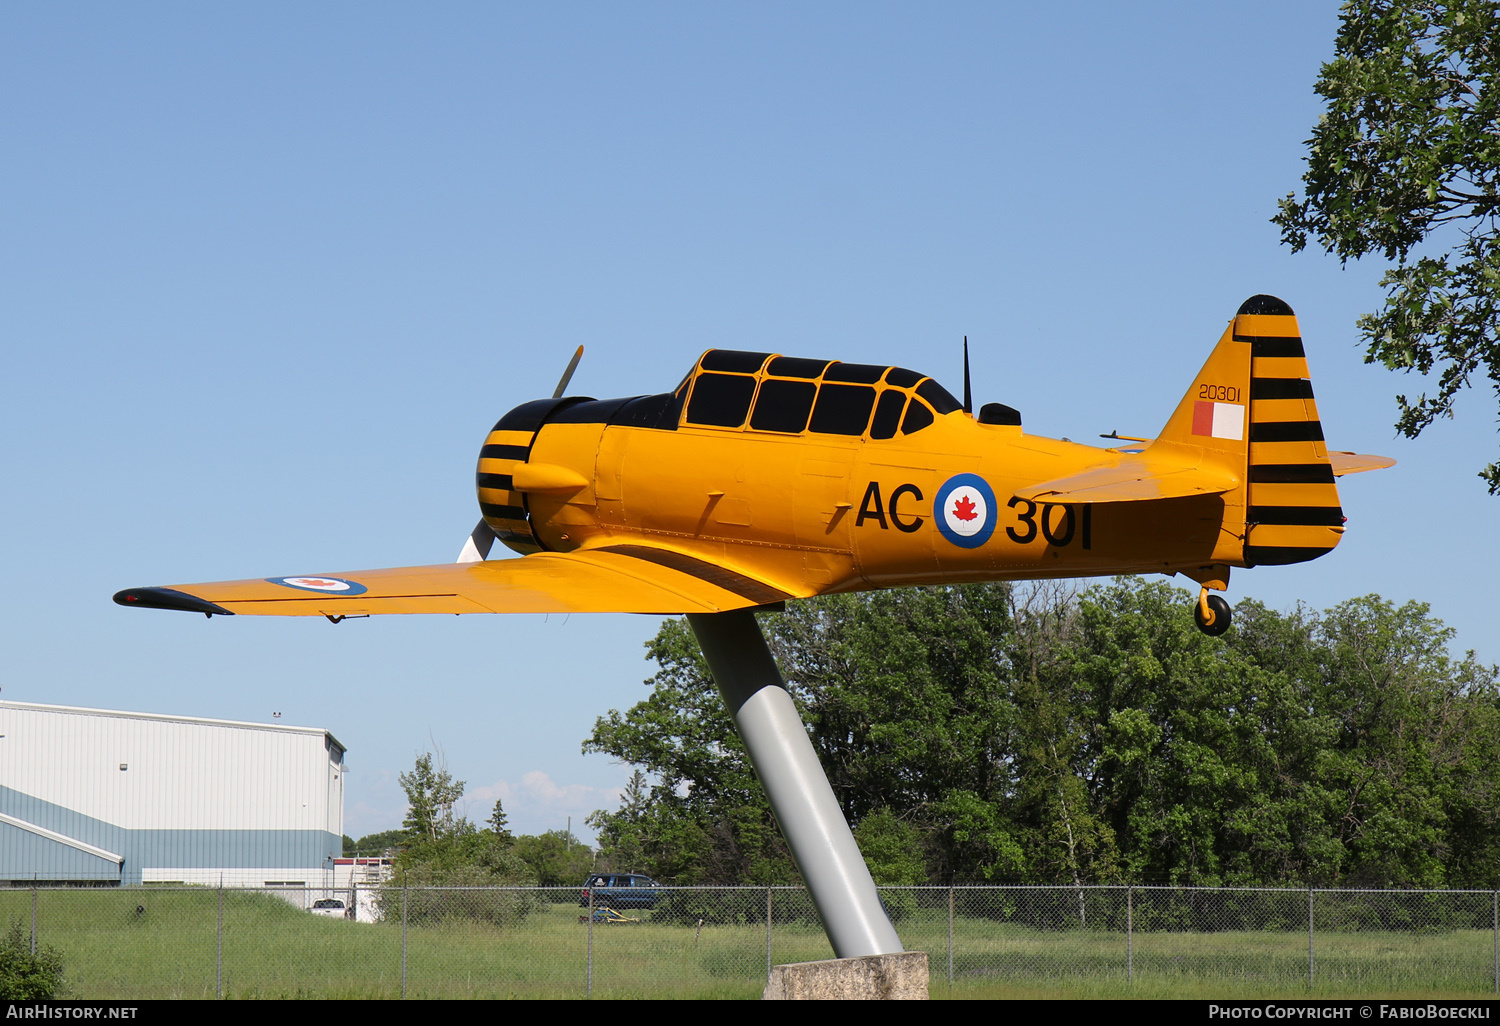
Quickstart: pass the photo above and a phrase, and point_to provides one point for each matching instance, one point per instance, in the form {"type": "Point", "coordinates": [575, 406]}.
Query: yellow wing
{"type": "Point", "coordinates": [610, 579]}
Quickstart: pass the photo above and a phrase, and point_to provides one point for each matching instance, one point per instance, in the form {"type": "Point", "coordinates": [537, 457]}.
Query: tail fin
{"type": "Point", "coordinates": [1294, 512]}
{"type": "Point", "coordinates": [1250, 410]}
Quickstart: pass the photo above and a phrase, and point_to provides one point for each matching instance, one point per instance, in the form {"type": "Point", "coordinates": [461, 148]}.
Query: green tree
{"type": "Point", "coordinates": [892, 849]}
{"type": "Point", "coordinates": [430, 794]}
{"type": "Point", "coordinates": [473, 862]}
{"type": "Point", "coordinates": [1406, 154]}
{"type": "Point", "coordinates": [626, 834]}
{"type": "Point", "coordinates": [26, 975]}
{"type": "Point", "coordinates": [555, 858]}
{"type": "Point", "coordinates": [1161, 738]}
{"type": "Point", "coordinates": [431, 862]}
{"type": "Point", "coordinates": [1037, 736]}
{"type": "Point", "coordinates": [1347, 747]}
{"type": "Point", "coordinates": [497, 822]}
{"type": "Point", "coordinates": [376, 844]}
{"type": "Point", "coordinates": [1056, 760]}
{"type": "Point", "coordinates": [1414, 756]}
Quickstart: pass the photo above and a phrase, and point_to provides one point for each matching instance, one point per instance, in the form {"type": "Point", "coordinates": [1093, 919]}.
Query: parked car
{"type": "Point", "coordinates": [331, 907]}
{"type": "Point", "coordinates": [620, 890]}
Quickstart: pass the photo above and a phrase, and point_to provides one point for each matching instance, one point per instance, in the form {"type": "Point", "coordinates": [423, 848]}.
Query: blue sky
{"type": "Point", "coordinates": [271, 271]}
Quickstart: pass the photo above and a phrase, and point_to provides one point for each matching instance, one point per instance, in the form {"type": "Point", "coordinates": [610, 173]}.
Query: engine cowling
{"type": "Point", "coordinates": [506, 450]}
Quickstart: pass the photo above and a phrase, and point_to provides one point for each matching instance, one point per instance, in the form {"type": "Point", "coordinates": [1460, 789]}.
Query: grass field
{"type": "Point", "coordinates": [165, 943]}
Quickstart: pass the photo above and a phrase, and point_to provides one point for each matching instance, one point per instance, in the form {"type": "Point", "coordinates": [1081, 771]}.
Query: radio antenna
{"type": "Point", "coordinates": [968, 397]}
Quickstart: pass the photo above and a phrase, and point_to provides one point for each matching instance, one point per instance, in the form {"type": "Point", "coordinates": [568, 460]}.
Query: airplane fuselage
{"type": "Point", "coordinates": [833, 510]}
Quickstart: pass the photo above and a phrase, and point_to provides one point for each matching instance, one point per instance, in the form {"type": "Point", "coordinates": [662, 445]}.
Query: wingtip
{"type": "Point", "coordinates": [167, 598]}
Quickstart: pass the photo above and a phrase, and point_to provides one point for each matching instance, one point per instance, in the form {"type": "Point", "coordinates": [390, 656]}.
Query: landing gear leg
{"type": "Point", "coordinates": [1212, 613]}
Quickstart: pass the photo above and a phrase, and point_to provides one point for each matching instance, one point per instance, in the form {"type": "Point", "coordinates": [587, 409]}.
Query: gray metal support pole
{"type": "Point", "coordinates": [403, 937]}
{"type": "Point", "coordinates": [800, 795]}
{"type": "Point", "coordinates": [1130, 934]}
{"type": "Point", "coordinates": [1309, 937]}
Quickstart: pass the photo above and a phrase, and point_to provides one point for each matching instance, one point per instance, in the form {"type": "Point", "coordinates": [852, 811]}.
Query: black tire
{"type": "Point", "coordinates": [1221, 613]}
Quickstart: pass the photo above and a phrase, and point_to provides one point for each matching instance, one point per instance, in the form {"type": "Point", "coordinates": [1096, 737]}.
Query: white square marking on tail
{"type": "Point", "coordinates": [1229, 421]}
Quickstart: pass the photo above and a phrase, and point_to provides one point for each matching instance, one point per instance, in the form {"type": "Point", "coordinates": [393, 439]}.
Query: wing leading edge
{"type": "Point", "coordinates": [610, 579]}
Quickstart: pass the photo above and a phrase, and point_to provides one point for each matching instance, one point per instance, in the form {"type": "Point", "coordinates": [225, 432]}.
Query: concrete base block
{"type": "Point", "coordinates": [900, 977]}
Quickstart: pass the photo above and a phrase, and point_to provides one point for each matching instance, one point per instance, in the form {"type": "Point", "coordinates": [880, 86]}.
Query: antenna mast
{"type": "Point", "coordinates": [968, 397]}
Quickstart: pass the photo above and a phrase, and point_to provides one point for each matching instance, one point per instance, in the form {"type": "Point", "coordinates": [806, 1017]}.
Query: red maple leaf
{"type": "Point", "coordinates": [964, 509]}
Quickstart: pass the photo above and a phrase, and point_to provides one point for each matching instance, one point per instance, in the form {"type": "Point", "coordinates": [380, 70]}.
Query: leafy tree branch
{"type": "Point", "coordinates": [1406, 156]}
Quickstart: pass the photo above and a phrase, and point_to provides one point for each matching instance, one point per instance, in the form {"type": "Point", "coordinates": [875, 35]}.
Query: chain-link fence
{"type": "Point", "coordinates": [703, 942]}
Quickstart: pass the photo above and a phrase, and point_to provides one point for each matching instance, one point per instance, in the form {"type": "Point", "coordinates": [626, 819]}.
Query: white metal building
{"type": "Point", "coordinates": [122, 797]}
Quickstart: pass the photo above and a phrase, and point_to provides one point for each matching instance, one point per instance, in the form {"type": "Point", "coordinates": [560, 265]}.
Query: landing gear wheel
{"type": "Point", "coordinates": [1219, 623]}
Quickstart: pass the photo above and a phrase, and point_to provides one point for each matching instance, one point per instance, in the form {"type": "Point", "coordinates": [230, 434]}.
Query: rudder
{"type": "Point", "coordinates": [1293, 511]}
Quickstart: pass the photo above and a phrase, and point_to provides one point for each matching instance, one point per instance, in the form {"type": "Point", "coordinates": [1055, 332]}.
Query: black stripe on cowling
{"type": "Point", "coordinates": [1286, 431]}
{"type": "Point", "coordinates": [169, 598]}
{"type": "Point", "coordinates": [1281, 555]}
{"type": "Point", "coordinates": [494, 481]}
{"type": "Point", "coordinates": [710, 573]}
{"type": "Point", "coordinates": [490, 509]}
{"type": "Point", "coordinates": [505, 452]}
{"type": "Point", "coordinates": [1291, 473]}
{"type": "Point", "coordinates": [1299, 516]}
{"type": "Point", "coordinates": [1272, 345]}
{"type": "Point", "coordinates": [1280, 388]}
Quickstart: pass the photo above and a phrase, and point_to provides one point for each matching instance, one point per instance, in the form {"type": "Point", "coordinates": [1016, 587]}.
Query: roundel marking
{"type": "Point", "coordinates": [323, 585]}
{"type": "Point", "coordinates": [964, 510]}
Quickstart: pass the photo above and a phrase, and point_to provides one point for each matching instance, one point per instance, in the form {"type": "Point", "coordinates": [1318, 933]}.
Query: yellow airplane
{"type": "Point", "coordinates": [763, 478]}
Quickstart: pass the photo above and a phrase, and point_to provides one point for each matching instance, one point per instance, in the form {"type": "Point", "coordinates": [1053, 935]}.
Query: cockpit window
{"type": "Point", "coordinates": [918, 416]}
{"type": "Point", "coordinates": [791, 395]}
{"type": "Point", "coordinates": [863, 373]}
{"type": "Point", "coordinates": [842, 409]}
{"type": "Point", "coordinates": [888, 413]}
{"type": "Point", "coordinates": [720, 400]}
{"type": "Point", "coordinates": [938, 397]}
{"type": "Point", "coordinates": [796, 367]}
{"type": "Point", "coordinates": [733, 360]}
{"type": "Point", "coordinates": [783, 405]}
{"type": "Point", "coordinates": [902, 377]}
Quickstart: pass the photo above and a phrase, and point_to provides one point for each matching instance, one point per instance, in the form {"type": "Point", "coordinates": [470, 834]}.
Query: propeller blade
{"type": "Point", "coordinates": [568, 374]}
{"type": "Point", "coordinates": [478, 545]}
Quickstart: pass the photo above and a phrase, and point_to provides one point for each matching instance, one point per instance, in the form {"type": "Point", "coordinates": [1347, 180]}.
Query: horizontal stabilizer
{"type": "Point", "coordinates": [623, 578]}
{"type": "Point", "coordinates": [1354, 463]}
{"type": "Point", "coordinates": [1131, 481]}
